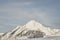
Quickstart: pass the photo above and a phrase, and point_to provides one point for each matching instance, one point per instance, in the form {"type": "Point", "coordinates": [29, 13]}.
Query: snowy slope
{"type": "Point", "coordinates": [31, 29]}
{"type": "Point", "coordinates": [1, 33]}
{"type": "Point", "coordinates": [8, 34]}
{"type": "Point", "coordinates": [33, 25]}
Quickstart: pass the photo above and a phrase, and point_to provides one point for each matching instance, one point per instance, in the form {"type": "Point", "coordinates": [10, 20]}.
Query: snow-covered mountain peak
{"type": "Point", "coordinates": [32, 29]}
{"type": "Point", "coordinates": [33, 24]}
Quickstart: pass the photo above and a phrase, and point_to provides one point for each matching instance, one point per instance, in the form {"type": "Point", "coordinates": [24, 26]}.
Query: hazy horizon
{"type": "Point", "coordinates": [18, 12]}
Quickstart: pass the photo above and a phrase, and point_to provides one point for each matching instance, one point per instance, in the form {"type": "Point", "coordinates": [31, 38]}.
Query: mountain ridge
{"type": "Point", "coordinates": [32, 28]}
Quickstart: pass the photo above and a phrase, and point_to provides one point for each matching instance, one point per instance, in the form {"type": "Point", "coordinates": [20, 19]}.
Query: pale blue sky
{"type": "Point", "coordinates": [19, 12]}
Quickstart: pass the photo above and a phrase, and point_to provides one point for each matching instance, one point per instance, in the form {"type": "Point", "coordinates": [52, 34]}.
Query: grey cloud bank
{"type": "Point", "coordinates": [15, 12]}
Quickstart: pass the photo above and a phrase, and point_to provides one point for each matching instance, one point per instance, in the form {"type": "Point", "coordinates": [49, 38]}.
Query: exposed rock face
{"type": "Point", "coordinates": [32, 34]}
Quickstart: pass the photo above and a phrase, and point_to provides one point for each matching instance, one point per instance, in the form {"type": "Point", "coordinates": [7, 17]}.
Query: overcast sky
{"type": "Point", "coordinates": [19, 12]}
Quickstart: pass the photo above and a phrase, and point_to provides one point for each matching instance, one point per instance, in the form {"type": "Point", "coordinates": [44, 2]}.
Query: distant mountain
{"type": "Point", "coordinates": [32, 29]}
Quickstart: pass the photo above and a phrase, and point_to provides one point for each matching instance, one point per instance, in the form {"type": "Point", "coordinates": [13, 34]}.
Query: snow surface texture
{"type": "Point", "coordinates": [31, 30]}
{"type": "Point", "coordinates": [47, 38]}
{"type": "Point", "coordinates": [1, 33]}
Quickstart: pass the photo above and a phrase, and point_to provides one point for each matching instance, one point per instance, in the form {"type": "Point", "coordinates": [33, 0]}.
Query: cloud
{"type": "Point", "coordinates": [26, 11]}
{"type": "Point", "coordinates": [14, 6]}
{"type": "Point", "coordinates": [13, 13]}
{"type": "Point", "coordinates": [20, 3]}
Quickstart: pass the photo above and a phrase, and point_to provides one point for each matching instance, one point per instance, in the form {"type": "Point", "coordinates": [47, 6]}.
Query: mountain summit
{"type": "Point", "coordinates": [32, 29]}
